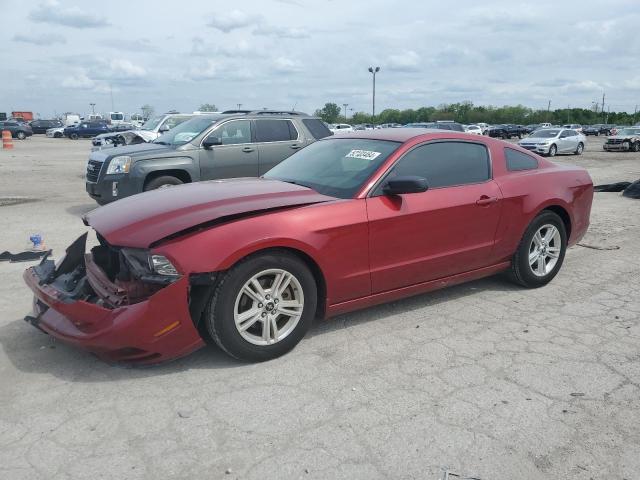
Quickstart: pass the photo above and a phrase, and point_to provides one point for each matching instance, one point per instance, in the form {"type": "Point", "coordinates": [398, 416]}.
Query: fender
{"type": "Point", "coordinates": [144, 167]}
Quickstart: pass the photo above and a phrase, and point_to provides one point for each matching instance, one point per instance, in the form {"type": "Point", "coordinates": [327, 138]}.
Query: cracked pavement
{"type": "Point", "coordinates": [486, 379]}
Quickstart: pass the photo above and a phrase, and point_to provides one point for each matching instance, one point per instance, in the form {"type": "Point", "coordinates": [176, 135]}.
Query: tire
{"type": "Point", "coordinates": [74, 136]}
{"type": "Point", "coordinates": [534, 274]}
{"type": "Point", "coordinates": [597, 134]}
{"type": "Point", "coordinates": [635, 147]}
{"type": "Point", "coordinates": [57, 135]}
{"type": "Point", "coordinates": [552, 151]}
{"type": "Point", "coordinates": [162, 182]}
{"type": "Point", "coordinates": [21, 135]}
{"type": "Point", "coordinates": [579, 149]}
{"type": "Point", "coordinates": [228, 303]}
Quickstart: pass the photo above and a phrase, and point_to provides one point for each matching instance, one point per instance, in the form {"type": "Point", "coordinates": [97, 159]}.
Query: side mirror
{"type": "Point", "coordinates": [408, 184]}
{"type": "Point", "coordinates": [164, 128]}
{"type": "Point", "coordinates": [211, 142]}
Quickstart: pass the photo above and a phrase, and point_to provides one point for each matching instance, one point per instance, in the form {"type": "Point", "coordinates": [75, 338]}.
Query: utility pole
{"type": "Point", "coordinates": [111, 92]}
{"type": "Point", "coordinates": [634, 114]}
{"type": "Point", "coordinates": [603, 107]}
{"type": "Point", "coordinates": [568, 113]}
{"type": "Point", "coordinates": [93, 108]}
{"type": "Point", "coordinates": [374, 71]}
{"type": "Point", "coordinates": [239, 105]}
{"type": "Point", "coordinates": [548, 109]}
{"type": "Point", "coordinates": [345, 105]}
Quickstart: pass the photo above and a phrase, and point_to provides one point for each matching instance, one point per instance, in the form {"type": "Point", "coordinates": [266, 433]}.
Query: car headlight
{"type": "Point", "coordinates": [119, 165]}
{"type": "Point", "coordinates": [162, 266]}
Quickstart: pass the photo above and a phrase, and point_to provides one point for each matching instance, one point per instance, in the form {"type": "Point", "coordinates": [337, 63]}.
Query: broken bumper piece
{"type": "Point", "coordinates": [77, 303]}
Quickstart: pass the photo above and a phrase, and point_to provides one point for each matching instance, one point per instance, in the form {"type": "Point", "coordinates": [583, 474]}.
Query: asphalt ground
{"type": "Point", "coordinates": [484, 380]}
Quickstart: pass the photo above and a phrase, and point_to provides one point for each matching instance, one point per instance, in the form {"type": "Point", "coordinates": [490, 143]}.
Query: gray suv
{"type": "Point", "coordinates": [238, 143]}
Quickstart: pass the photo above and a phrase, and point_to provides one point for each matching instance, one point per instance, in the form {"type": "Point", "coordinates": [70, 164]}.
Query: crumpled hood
{"type": "Point", "coordinates": [140, 220]}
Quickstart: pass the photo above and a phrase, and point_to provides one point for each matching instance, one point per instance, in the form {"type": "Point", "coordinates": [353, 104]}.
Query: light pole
{"type": "Point", "coordinates": [239, 106]}
{"type": "Point", "coordinates": [345, 105]}
{"type": "Point", "coordinates": [374, 71]}
{"type": "Point", "coordinates": [93, 108]}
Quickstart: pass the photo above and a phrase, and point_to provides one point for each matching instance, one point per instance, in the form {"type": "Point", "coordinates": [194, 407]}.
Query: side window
{"type": "Point", "coordinates": [173, 121]}
{"type": "Point", "coordinates": [519, 161]}
{"type": "Point", "coordinates": [445, 164]}
{"type": "Point", "coordinates": [232, 133]}
{"type": "Point", "coordinates": [316, 127]}
{"type": "Point", "coordinates": [272, 130]}
{"type": "Point", "coordinates": [565, 134]}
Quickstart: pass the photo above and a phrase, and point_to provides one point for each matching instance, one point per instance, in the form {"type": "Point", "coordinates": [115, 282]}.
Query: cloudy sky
{"type": "Point", "coordinates": [59, 56]}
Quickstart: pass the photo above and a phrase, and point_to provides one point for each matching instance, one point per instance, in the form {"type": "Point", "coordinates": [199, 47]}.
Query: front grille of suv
{"type": "Point", "coordinates": [93, 170]}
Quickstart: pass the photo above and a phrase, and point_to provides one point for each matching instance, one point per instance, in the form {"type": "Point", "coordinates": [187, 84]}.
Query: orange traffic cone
{"type": "Point", "coordinates": [7, 141]}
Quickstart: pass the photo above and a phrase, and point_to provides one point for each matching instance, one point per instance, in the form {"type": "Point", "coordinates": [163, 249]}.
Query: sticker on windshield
{"type": "Point", "coordinates": [362, 154]}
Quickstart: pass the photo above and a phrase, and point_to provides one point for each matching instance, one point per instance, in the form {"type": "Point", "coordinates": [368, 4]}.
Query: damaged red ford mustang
{"type": "Point", "coordinates": [346, 223]}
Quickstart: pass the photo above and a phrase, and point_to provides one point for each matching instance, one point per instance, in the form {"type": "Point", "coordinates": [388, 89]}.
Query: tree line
{"type": "Point", "coordinates": [468, 113]}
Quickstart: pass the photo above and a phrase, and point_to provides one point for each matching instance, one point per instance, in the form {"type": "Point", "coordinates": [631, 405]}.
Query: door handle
{"type": "Point", "coordinates": [483, 201]}
{"type": "Point", "coordinates": [295, 146]}
{"type": "Point", "coordinates": [247, 149]}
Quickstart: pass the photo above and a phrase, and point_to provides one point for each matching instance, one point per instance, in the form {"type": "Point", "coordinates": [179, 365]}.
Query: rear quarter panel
{"type": "Point", "coordinates": [526, 193]}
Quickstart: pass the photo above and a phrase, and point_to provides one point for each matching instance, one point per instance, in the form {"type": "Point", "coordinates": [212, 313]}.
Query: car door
{"type": "Point", "coordinates": [276, 140]}
{"type": "Point", "coordinates": [566, 141]}
{"type": "Point", "coordinates": [448, 229]}
{"type": "Point", "coordinates": [236, 156]}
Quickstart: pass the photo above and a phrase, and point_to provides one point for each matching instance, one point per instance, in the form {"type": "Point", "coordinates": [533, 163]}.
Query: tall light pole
{"type": "Point", "coordinates": [374, 71]}
{"type": "Point", "coordinates": [93, 108]}
{"type": "Point", "coordinates": [345, 105]}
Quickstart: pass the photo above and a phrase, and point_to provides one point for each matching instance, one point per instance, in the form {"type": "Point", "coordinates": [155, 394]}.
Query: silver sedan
{"type": "Point", "coordinates": [551, 141]}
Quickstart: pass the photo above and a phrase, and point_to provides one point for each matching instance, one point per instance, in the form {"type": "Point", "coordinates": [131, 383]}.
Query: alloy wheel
{"type": "Point", "coordinates": [268, 307]}
{"type": "Point", "coordinates": [544, 250]}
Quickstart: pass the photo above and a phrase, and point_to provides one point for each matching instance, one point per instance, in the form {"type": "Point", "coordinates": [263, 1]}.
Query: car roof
{"type": "Point", "coordinates": [394, 134]}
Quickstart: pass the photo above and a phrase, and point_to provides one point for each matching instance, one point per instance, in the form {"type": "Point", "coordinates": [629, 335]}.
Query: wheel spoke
{"type": "Point", "coordinates": [266, 330]}
{"type": "Point", "coordinates": [258, 289]}
{"type": "Point", "coordinates": [542, 267]}
{"type": "Point", "coordinates": [283, 284]}
{"type": "Point", "coordinates": [274, 328]}
{"type": "Point", "coordinates": [533, 257]}
{"type": "Point", "coordinates": [290, 304]}
{"type": "Point", "coordinates": [248, 318]}
{"type": "Point", "coordinates": [553, 252]}
{"type": "Point", "coordinates": [551, 232]}
{"type": "Point", "coordinates": [288, 312]}
{"type": "Point", "coordinates": [537, 238]}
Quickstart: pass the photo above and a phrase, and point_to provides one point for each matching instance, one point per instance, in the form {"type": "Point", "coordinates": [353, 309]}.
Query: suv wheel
{"type": "Point", "coordinates": [541, 251]}
{"type": "Point", "coordinates": [74, 136]}
{"type": "Point", "coordinates": [162, 182]}
{"type": "Point", "coordinates": [262, 307]}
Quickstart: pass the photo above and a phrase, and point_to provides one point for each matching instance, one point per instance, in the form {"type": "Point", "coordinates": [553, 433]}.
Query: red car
{"type": "Point", "coordinates": [346, 223]}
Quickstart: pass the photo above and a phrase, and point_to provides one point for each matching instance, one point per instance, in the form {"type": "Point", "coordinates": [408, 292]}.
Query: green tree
{"type": "Point", "coordinates": [330, 113]}
{"type": "Point", "coordinates": [208, 107]}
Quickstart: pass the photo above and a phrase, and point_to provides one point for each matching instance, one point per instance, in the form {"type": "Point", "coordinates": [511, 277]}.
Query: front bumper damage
{"type": "Point", "coordinates": [121, 317]}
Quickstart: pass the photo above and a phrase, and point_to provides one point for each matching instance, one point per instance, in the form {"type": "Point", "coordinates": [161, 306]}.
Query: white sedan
{"type": "Point", "coordinates": [473, 129]}
{"type": "Point", "coordinates": [341, 128]}
{"type": "Point", "coordinates": [57, 132]}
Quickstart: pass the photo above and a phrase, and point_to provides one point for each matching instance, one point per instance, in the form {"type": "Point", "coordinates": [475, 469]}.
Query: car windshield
{"type": "Point", "coordinates": [186, 131]}
{"type": "Point", "coordinates": [335, 167]}
{"type": "Point", "coordinates": [545, 133]}
{"type": "Point", "coordinates": [152, 123]}
{"type": "Point", "coordinates": [629, 131]}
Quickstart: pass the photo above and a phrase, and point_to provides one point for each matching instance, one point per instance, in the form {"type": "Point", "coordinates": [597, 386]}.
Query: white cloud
{"type": "Point", "coordinates": [280, 32]}
{"type": "Point", "coordinates": [41, 39]}
{"type": "Point", "coordinates": [125, 69]}
{"type": "Point", "coordinates": [51, 11]}
{"type": "Point", "coordinates": [233, 20]}
{"type": "Point", "coordinates": [78, 78]}
{"type": "Point", "coordinates": [408, 61]}
{"type": "Point", "coordinates": [286, 65]}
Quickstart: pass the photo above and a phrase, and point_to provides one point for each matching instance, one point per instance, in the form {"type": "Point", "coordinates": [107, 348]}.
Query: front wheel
{"type": "Point", "coordinates": [162, 182]}
{"type": "Point", "coordinates": [21, 135]}
{"type": "Point", "coordinates": [553, 150]}
{"type": "Point", "coordinates": [635, 147]}
{"type": "Point", "coordinates": [262, 307]}
{"type": "Point", "coordinates": [579, 149]}
{"type": "Point", "coordinates": [57, 135]}
{"type": "Point", "coordinates": [74, 136]}
{"type": "Point", "coordinates": [541, 251]}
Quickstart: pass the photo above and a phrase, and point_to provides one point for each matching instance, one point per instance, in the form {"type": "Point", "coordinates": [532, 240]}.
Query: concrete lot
{"type": "Point", "coordinates": [485, 379]}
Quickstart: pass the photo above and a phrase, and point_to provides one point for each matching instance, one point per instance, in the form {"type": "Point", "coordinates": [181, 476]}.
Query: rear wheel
{"type": "Point", "coordinates": [636, 146]}
{"type": "Point", "coordinates": [74, 136]}
{"type": "Point", "coordinates": [541, 251]}
{"type": "Point", "coordinates": [57, 135]}
{"type": "Point", "coordinates": [162, 182]}
{"type": "Point", "coordinates": [553, 150]}
{"type": "Point", "coordinates": [579, 149]}
{"type": "Point", "coordinates": [21, 135]}
{"type": "Point", "coordinates": [262, 307]}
